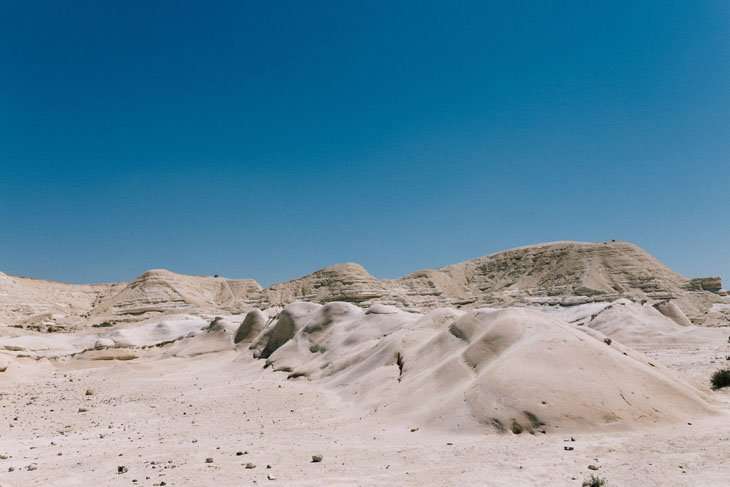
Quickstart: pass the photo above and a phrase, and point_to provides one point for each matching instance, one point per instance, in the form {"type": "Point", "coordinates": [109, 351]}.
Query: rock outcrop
{"type": "Point", "coordinates": [253, 323]}
{"type": "Point", "coordinates": [712, 284]}
{"type": "Point", "coordinates": [287, 324]}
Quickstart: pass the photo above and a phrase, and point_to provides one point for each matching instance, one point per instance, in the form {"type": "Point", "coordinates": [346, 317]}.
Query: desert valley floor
{"type": "Point", "coordinates": [544, 365]}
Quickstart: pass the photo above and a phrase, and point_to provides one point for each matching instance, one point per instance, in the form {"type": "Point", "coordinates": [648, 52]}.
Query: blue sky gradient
{"type": "Point", "coordinates": [269, 139]}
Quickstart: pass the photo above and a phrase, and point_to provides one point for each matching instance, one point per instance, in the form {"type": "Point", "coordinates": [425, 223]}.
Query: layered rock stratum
{"type": "Point", "coordinates": [558, 273]}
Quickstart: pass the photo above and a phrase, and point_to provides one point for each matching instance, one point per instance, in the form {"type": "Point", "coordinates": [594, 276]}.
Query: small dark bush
{"type": "Point", "coordinates": [720, 379]}
{"type": "Point", "coordinates": [317, 348]}
{"type": "Point", "coordinates": [594, 481]}
{"type": "Point", "coordinates": [104, 324]}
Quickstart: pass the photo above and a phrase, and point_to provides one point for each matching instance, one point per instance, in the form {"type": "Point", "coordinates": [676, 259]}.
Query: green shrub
{"type": "Point", "coordinates": [720, 379]}
{"type": "Point", "coordinates": [594, 481]}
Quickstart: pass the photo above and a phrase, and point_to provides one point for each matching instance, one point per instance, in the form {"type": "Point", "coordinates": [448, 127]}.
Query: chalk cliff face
{"type": "Point", "coordinates": [39, 304]}
{"type": "Point", "coordinates": [164, 291]}
{"type": "Point", "coordinates": [53, 306]}
{"type": "Point", "coordinates": [712, 284]}
{"type": "Point", "coordinates": [563, 273]}
{"type": "Point", "coordinates": [342, 282]}
{"type": "Point", "coordinates": [559, 273]}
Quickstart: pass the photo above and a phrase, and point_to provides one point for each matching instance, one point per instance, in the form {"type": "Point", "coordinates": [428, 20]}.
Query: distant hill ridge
{"type": "Point", "coordinates": [558, 273]}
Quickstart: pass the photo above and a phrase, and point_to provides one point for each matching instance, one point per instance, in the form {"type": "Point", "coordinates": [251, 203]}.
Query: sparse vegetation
{"type": "Point", "coordinates": [103, 324]}
{"type": "Point", "coordinates": [595, 481]}
{"type": "Point", "coordinates": [720, 379]}
{"type": "Point", "coordinates": [317, 348]}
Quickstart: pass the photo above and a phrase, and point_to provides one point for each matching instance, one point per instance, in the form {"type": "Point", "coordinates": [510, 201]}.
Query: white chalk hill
{"type": "Point", "coordinates": [517, 370]}
{"type": "Point", "coordinates": [558, 273]}
{"type": "Point", "coordinates": [162, 291]}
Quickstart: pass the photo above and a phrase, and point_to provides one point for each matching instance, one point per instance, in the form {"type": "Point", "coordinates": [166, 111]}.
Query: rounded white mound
{"type": "Point", "coordinates": [507, 370]}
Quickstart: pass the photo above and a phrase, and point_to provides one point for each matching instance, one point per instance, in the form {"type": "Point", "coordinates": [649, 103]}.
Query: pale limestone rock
{"type": "Point", "coordinates": [712, 284]}
{"type": "Point", "coordinates": [558, 273]}
{"type": "Point", "coordinates": [252, 325]}
{"type": "Point", "coordinates": [673, 312]}
{"type": "Point", "coordinates": [103, 343]}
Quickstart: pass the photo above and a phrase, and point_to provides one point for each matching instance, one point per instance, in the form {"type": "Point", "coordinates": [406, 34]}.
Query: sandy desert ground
{"type": "Point", "coordinates": [520, 385]}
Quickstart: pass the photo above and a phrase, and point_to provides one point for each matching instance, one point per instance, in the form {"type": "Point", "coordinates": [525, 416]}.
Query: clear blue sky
{"type": "Point", "coordinates": [269, 139]}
